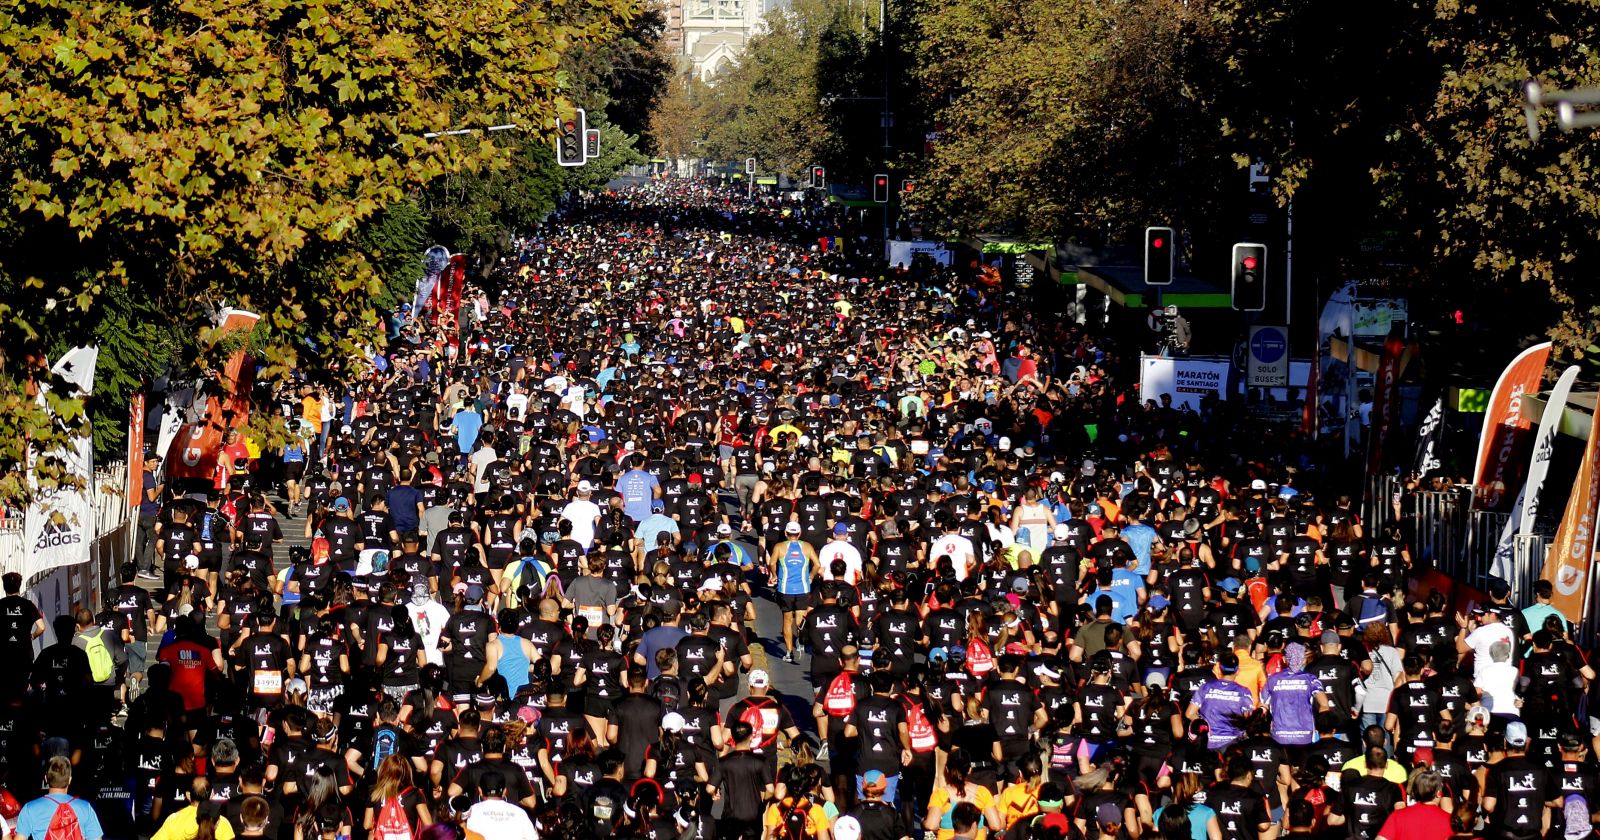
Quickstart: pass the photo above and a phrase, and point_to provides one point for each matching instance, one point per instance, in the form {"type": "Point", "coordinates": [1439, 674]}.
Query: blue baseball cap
{"type": "Point", "coordinates": [1158, 602]}
{"type": "Point", "coordinates": [1229, 584]}
{"type": "Point", "coordinates": [841, 529]}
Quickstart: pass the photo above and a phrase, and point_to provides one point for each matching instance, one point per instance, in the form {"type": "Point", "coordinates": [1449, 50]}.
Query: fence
{"type": "Point", "coordinates": [56, 591]}
{"type": "Point", "coordinates": [1446, 534]}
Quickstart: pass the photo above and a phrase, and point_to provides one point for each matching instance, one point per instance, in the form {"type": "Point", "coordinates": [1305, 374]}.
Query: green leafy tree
{"type": "Point", "coordinates": [212, 152]}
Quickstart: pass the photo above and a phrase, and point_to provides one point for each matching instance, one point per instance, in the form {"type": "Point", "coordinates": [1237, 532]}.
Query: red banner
{"type": "Point", "coordinates": [1384, 398]}
{"type": "Point", "coordinates": [194, 450]}
{"type": "Point", "coordinates": [136, 449]}
{"type": "Point", "coordinates": [447, 292]}
{"type": "Point", "coordinates": [1507, 433]}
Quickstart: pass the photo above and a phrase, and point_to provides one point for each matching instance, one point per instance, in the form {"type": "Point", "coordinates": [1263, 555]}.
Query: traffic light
{"type": "Point", "coordinates": [570, 139]}
{"type": "Point", "coordinates": [749, 166]}
{"type": "Point", "coordinates": [819, 176]}
{"type": "Point", "coordinates": [880, 189]}
{"type": "Point", "coordinates": [1249, 277]}
{"type": "Point", "coordinates": [591, 143]}
{"type": "Point", "coordinates": [1158, 259]}
{"type": "Point", "coordinates": [908, 187]}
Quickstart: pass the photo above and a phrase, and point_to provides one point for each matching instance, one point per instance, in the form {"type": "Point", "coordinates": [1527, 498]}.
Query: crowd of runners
{"type": "Point", "coordinates": [1024, 600]}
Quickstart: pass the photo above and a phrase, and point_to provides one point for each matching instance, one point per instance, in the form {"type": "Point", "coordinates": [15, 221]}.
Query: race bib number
{"type": "Point", "coordinates": [594, 615]}
{"type": "Point", "coordinates": [268, 682]}
{"type": "Point", "coordinates": [769, 721]}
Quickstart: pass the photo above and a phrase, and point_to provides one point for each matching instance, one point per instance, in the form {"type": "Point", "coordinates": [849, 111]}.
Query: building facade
{"type": "Point", "coordinates": [708, 35]}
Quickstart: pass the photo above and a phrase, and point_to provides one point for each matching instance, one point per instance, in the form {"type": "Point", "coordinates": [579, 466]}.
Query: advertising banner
{"type": "Point", "coordinates": [196, 446]}
{"type": "Point", "coordinates": [902, 251]}
{"type": "Point", "coordinates": [136, 419]}
{"type": "Point", "coordinates": [59, 526]}
{"type": "Point", "coordinates": [1507, 434]}
{"type": "Point", "coordinates": [1384, 398]}
{"type": "Point", "coordinates": [1187, 380]}
{"type": "Point", "coordinates": [1566, 564]}
{"type": "Point", "coordinates": [1430, 436]}
{"type": "Point", "coordinates": [1526, 510]}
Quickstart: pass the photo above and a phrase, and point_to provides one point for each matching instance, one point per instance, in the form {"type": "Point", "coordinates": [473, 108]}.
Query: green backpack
{"type": "Point", "coordinates": [101, 665]}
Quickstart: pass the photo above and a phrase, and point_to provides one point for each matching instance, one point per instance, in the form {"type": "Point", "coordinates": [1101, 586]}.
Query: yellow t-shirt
{"type": "Point", "coordinates": [816, 817]}
{"type": "Point", "coordinates": [1018, 802]}
{"type": "Point", "coordinates": [940, 801]}
{"type": "Point", "coordinates": [783, 429]}
{"type": "Point", "coordinates": [1392, 772]}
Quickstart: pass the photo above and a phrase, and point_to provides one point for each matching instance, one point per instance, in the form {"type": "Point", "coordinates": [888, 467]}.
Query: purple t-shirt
{"type": "Point", "coordinates": [1289, 695]}
{"type": "Point", "coordinates": [1223, 703]}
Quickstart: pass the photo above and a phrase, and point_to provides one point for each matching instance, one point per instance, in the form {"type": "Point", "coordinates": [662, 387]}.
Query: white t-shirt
{"type": "Point", "coordinates": [517, 406]}
{"type": "Point", "coordinates": [480, 461]}
{"type": "Point", "coordinates": [1498, 682]}
{"type": "Point", "coordinates": [497, 819]}
{"type": "Point", "coordinates": [582, 514]}
{"type": "Point", "coordinates": [1481, 639]}
{"type": "Point", "coordinates": [960, 550]}
{"type": "Point", "coordinates": [429, 619]}
{"type": "Point", "coordinates": [840, 550]}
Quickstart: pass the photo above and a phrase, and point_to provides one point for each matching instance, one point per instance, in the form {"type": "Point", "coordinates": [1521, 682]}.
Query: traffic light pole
{"type": "Point", "coordinates": [1288, 266]}
{"type": "Point", "coordinates": [883, 45]}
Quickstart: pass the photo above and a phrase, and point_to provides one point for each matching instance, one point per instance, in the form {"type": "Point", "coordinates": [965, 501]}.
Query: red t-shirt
{"type": "Point", "coordinates": [240, 455]}
{"type": "Point", "coordinates": [1417, 822]}
{"type": "Point", "coordinates": [189, 662]}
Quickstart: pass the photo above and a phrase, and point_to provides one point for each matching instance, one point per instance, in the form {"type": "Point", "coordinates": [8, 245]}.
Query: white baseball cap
{"type": "Point", "coordinates": [1061, 531]}
{"type": "Point", "coordinates": [724, 529]}
{"type": "Point", "coordinates": [585, 487]}
{"type": "Point", "coordinates": [1258, 484]}
{"type": "Point", "coordinates": [673, 722]}
{"type": "Point", "coordinates": [191, 561]}
{"type": "Point", "coordinates": [847, 828]}
{"type": "Point", "coordinates": [759, 678]}
{"type": "Point", "coordinates": [792, 528]}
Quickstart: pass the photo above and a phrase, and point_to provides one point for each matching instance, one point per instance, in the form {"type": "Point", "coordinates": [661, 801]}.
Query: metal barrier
{"type": "Point", "coordinates": [1446, 534]}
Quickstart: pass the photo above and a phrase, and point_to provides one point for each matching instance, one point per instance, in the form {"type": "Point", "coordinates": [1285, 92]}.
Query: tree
{"type": "Point", "coordinates": [1060, 119]}
{"type": "Point", "coordinates": [212, 152]}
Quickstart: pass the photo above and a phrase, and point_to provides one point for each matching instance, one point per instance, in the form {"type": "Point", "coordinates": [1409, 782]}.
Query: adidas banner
{"type": "Point", "coordinates": [59, 525]}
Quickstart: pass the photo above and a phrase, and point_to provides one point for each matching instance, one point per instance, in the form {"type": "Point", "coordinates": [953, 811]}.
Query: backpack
{"type": "Point", "coordinates": [923, 736]}
{"type": "Point", "coordinates": [669, 690]}
{"type": "Point", "coordinates": [980, 659]}
{"type": "Point", "coordinates": [321, 549]}
{"type": "Point", "coordinates": [763, 720]}
{"type": "Point", "coordinates": [208, 526]}
{"type": "Point", "coordinates": [385, 742]}
{"type": "Point", "coordinates": [796, 821]}
{"type": "Point", "coordinates": [101, 666]}
{"type": "Point", "coordinates": [515, 575]}
{"type": "Point", "coordinates": [64, 822]}
{"type": "Point", "coordinates": [392, 822]}
{"type": "Point", "coordinates": [841, 698]}
{"type": "Point", "coordinates": [1369, 610]}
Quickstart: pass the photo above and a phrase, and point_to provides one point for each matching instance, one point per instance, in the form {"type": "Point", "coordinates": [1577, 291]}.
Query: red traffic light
{"type": "Point", "coordinates": [882, 181]}
{"type": "Point", "coordinates": [1249, 263]}
{"type": "Point", "coordinates": [1158, 243]}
